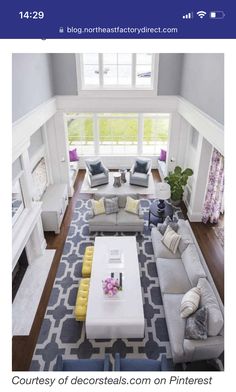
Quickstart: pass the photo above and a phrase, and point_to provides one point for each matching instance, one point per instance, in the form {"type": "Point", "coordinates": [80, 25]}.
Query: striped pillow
{"type": "Point", "coordinates": [190, 302]}
{"type": "Point", "coordinates": [171, 239]}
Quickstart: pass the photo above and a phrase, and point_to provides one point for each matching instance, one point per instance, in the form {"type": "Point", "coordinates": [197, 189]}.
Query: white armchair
{"type": "Point", "coordinates": [138, 177]}
{"type": "Point", "coordinates": [96, 172]}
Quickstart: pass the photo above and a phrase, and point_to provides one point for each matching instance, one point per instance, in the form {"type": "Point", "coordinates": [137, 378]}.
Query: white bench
{"type": "Point", "coordinates": [162, 168]}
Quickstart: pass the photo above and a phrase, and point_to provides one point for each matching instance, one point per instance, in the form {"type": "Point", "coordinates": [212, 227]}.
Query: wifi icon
{"type": "Point", "coordinates": [201, 14]}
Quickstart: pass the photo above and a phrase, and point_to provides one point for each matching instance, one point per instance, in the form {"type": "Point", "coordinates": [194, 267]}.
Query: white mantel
{"type": "Point", "coordinates": [27, 232]}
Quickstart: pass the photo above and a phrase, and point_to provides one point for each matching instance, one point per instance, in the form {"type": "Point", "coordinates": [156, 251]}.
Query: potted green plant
{"type": "Point", "coordinates": [177, 181]}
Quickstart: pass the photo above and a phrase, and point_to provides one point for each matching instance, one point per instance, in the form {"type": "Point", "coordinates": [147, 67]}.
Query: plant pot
{"type": "Point", "coordinates": [175, 203]}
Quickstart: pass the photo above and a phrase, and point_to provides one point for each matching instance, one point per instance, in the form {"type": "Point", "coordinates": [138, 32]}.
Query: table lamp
{"type": "Point", "coordinates": [162, 193]}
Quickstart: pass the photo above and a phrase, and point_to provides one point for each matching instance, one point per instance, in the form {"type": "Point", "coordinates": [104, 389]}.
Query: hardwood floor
{"type": "Point", "coordinates": [23, 346]}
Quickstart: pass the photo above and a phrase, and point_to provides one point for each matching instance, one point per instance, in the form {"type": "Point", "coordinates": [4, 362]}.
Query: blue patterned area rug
{"type": "Point", "coordinates": [61, 334]}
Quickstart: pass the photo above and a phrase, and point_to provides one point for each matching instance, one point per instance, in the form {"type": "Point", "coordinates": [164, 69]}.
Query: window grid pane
{"type": "Point", "coordinates": [118, 133]}
{"type": "Point", "coordinates": [117, 70]}
{"type": "Point", "coordinates": [118, 136]}
{"type": "Point", "coordinates": [80, 135]}
{"type": "Point", "coordinates": [155, 134]}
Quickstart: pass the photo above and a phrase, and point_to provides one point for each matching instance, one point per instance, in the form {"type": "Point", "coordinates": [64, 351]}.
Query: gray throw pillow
{"type": "Point", "coordinates": [196, 325]}
{"type": "Point", "coordinates": [167, 222]}
{"type": "Point", "coordinates": [111, 205]}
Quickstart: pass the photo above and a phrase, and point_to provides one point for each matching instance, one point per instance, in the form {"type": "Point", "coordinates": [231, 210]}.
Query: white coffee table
{"type": "Point", "coordinates": [121, 316]}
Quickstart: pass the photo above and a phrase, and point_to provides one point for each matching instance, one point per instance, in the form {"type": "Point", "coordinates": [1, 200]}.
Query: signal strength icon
{"type": "Point", "coordinates": [201, 14]}
{"type": "Point", "coordinates": [188, 16]}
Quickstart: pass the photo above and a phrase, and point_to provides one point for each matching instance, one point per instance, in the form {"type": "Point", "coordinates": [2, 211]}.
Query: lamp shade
{"type": "Point", "coordinates": [163, 191]}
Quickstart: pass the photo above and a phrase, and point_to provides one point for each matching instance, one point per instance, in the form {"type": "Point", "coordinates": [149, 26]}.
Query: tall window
{"type": "Point", "coordinates": [80, 132]}
{"type": "Point", "coordinates": [117, 70]}
{"type": "Point", "coordinates": [118, 133]}
{"type": "Point", "coordinates": [155, 133]}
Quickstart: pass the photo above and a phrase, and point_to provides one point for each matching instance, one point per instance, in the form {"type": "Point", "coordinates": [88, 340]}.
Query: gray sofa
{"type": "Point", "coordinates": [120, 221]}
{"type": "Point", "coordinates": [177, 274]}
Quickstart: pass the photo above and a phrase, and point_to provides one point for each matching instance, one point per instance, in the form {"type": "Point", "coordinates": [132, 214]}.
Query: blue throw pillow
{"type": "Point", "coordinates": [96, 168]}
{"type": "Point", "coordinates": [141, 167]}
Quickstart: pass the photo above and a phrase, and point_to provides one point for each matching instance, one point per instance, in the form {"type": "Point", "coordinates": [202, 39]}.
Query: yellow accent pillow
{"type": "Point", "coordinates": [98, 206]}
{"type": "Point", "coordinates": [132, 205]}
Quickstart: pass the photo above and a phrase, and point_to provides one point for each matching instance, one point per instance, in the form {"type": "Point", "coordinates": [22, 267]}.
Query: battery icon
{"type": "Point", "coordinates": [217, 14]}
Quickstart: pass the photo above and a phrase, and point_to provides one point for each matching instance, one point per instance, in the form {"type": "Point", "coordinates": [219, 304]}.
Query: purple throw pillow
{"type": "Point", "coordinates": [73, 155]}
{"type": "Point", "coordinates": [163, 155]}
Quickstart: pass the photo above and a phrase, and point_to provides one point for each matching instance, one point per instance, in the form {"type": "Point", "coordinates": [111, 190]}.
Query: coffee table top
{"type": "Point", "coordinates": [127, 306]}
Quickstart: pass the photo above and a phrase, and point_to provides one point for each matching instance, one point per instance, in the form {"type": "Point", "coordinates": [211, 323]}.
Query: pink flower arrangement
{"type": "Point", "coordinates": [110, 286]}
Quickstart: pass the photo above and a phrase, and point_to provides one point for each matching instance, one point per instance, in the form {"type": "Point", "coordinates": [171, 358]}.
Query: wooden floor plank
{"type": "Point", "coordinates": [23, 346]}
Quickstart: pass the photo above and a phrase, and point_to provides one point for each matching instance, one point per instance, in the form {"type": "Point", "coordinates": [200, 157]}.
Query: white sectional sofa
{"type": "Point", "coordinates": [177, 274]}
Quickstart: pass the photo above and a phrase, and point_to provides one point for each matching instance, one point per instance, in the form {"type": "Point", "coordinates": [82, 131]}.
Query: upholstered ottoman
{"type": "Point", "coordinates": [82, 300]}
{"type": "Point", "coordinates": [87, 262]}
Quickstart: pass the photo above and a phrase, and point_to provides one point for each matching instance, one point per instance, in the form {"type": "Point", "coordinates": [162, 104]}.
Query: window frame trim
{"type": "Point", "coordinates": [140, 117]}
{"type": "Point", "coordinates": [112, 90]}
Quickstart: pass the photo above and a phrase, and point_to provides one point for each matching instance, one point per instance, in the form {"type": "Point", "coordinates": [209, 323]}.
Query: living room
{"type": "Point", "coordinates": [71, 111]}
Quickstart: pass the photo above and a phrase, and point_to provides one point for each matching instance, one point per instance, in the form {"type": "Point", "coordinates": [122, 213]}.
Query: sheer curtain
{"type": "Point", "coordinates": [215, 189]}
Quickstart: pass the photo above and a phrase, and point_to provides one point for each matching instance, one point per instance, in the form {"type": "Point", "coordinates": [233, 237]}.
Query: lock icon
{"type": "Point", "coordinates": [61, 30]}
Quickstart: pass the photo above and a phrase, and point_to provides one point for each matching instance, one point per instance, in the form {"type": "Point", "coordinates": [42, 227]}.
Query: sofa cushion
{"type": "Point", "coordinates": [111, 205]}
{"type": "Point", "coordinates": [171, 239]}
{"type": "Point", "coordinates": [123, 198]}
{"type": "Point", "coordinates": [126, 218]}
{"type": "Point", "coordinates": [193, 264]}
{"type": "Point", "coordinates": [160, 250]}
{"type": "Point", "coordinates": [196, 325]}
{"type": "Point", "coordinates": [172, 276]}
{"type": "Point", "coordinates": [132, 205]}
{"type": "Point", "coordinates": [104, 220]}
{"type": "Point", "coordinates": [96, 168]}
{"type": "Point", "coordinates": [208, 299]}
{"type": "Point", "coordinates": [186, 236]}
{"type": "Point", "coordinates": [175, 324]}
{"type": "Point", "coordinates": [190, 302]}
{"type": "Point", "coordinates": [98, 206]}
{"type": "Point", "coordinates": [141, 166]}
{"type": "Point", "coordinates": [167, 222]}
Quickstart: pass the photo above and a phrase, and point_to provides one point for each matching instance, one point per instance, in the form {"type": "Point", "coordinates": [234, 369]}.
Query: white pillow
{"type": "Point", "coordinates": [171, 239]}
{"type": "Point", "coordinates": [190, 302]}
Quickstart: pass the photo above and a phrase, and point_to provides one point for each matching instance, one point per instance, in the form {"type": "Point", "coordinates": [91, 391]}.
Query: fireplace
{"type": "Point", "coordinates": [19, 272]}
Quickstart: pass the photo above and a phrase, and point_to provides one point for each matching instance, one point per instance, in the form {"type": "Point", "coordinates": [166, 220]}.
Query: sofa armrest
{"type": "Point", "coordinates": [149, 171]}
{"type": "Point", "coordinates": [195, 350]}
{"type": "Point", "coordinates": [140, 213]}
{"type": "Point", "coordinates": [90, 212]}
{"type": "Point", "coordinates": [132, 169]}
{"type": "Point", "coordinates": [106, 171]}
{"type": "Point", "coordinates": [166, 365]}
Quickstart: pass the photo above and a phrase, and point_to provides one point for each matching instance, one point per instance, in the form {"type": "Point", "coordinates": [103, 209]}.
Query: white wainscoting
{"type": "Point", "coordinates": [209, 128]}
{"type": "Point", "coordinates": [24, 127]}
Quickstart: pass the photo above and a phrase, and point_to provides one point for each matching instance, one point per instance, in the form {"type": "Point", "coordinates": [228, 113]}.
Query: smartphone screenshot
{"type": "Point", "coordinates": [116, 270]}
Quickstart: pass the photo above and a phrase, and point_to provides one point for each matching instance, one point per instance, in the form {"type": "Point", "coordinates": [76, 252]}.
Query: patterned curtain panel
{"type": "Point", "coordinates": [215, 189]}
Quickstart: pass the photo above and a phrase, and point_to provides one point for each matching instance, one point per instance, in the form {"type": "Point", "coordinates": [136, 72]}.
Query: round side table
{"type": "Point", "coordinates": [123, 175]}
{"type": "Point", "coordinates": [156, 216]}
{"type": "Point", "coordinates": [117, 180]}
